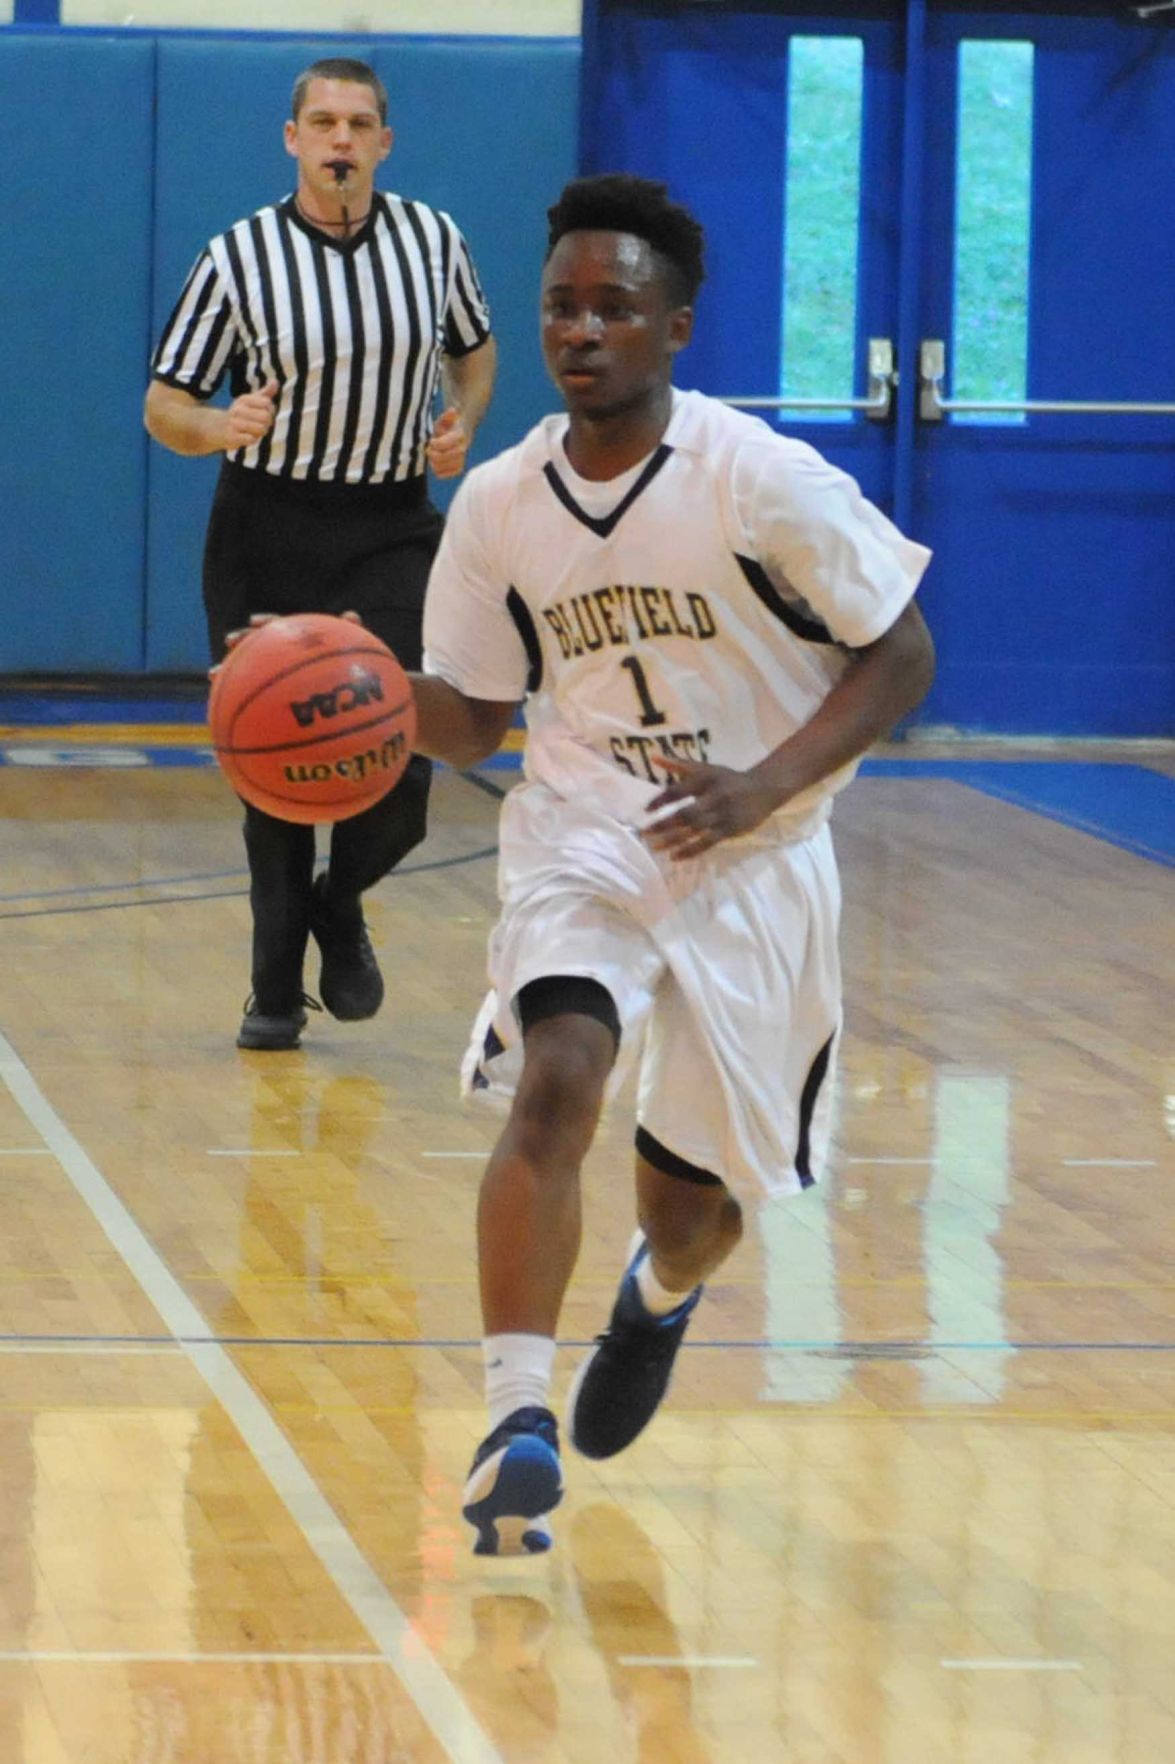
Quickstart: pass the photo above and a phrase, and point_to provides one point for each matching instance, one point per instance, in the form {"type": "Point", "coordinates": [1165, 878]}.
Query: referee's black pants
{"type": "Point", "coordinates": [284, 547]}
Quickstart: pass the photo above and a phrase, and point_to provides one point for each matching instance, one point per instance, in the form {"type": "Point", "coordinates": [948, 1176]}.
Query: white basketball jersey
{"type": "Point", "coordinates": [701, 605]}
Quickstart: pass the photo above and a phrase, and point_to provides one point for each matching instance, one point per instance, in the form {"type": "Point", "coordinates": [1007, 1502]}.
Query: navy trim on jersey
{"type": "Point", "coordinates": [815, 1079]}
{"type": "Point", "coordinates": [520, 613]}
{"type": "Point", "coordinates": [606, 525]}
{"type": "Point", "coordinates": [669, 1164]}
{"type": "Point", "coordinates": [809, 629]}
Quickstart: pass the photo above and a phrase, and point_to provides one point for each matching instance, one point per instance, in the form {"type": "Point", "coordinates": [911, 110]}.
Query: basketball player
{"type": "Point", "coordinates": [708, 625]}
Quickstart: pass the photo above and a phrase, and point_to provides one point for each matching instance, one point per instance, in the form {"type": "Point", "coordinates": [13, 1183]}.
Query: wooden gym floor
{"type": "Point", "coordinates": [913, 1494]}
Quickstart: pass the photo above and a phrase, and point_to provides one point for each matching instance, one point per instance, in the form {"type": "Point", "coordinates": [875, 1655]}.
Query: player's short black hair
{"type": "Point", "coordinates": [616, 202]}
{"type": "Point", "coordinates": [340, 67]}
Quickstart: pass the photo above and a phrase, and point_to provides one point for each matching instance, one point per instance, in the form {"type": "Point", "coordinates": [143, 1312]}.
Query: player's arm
{"type": "Point", "coordinates": [181, 421]}
{"type": "Point", "coordinates": [882, 683]}
{"type": "Point", "coordinates": [452, 727]}
{"type": "Point", "coordinates": [884, 680]}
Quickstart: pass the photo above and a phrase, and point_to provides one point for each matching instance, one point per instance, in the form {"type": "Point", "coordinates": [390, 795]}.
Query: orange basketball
{"type": "Point", "coordinates": [312, 718]}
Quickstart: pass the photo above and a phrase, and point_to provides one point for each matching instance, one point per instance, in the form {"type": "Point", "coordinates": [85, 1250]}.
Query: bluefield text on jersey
{"type": "Point", "coordinates": [613, 617]}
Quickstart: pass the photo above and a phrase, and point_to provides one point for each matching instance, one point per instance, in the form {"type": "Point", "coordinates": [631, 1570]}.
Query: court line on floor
{"type": "Point", "coordinates": [154, 900]}
{"type": "Point", "coordinates": [41, 1657]}
{"type": "Point", "coordinates": [402, 1645]}
{"type": "Point", "coordinates": [1012, 1665]}
{"type": "Point", "coordinates": [713, 1662]}
{"type": "Point", "coordinates": [16, 1344]}
{"type": "Point", "coordinates": [849, 1349]}
{"type": "Point", "coordinates": [1109, 1163]}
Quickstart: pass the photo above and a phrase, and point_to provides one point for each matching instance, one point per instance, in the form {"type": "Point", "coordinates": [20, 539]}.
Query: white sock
{"type": "Point", "coordinates": [657, 1299]}
{"type": "Point", "coordinates": [518, 1373]}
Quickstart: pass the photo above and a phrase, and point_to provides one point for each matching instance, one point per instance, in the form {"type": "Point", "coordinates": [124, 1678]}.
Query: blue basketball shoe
{"type": "Point", "coordinates": [514, 1484]}
{"type": "Point", "coordinates": [619, 1387]}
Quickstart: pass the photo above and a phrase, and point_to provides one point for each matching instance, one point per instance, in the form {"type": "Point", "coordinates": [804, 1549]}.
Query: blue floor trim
{"type": "Point", "coordinates": [1128, 806]}
{"type": "Point", "coordinates": [39, 711]}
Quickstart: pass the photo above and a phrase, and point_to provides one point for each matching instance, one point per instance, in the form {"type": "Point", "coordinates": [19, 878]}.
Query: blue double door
{"type": "Point", "coordinates": [1013, 182]}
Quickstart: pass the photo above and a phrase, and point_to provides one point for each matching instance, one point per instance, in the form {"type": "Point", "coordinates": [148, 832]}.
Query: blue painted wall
{"type": "Point", "coordinates": [161, 141]}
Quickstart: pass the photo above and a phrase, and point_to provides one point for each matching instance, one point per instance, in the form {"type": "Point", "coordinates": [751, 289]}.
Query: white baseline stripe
{"type": "Point", "coordinates": [722, 1662]}
{"type": "Point", "coordinates": [1012, 1665]}
{"type": "Point", "coordinates": [483, 1155]}
{"type": "Point", "coordinates": [400, 1643]}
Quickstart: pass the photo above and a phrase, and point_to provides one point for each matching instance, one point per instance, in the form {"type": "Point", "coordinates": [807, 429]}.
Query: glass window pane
{"type": "Point", "coordinates": [822, 218]}
{"type": "Point", "coordinates": [992, 220]}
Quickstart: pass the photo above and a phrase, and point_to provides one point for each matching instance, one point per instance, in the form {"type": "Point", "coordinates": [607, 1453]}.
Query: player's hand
{"type": "Point", "coordinates": [250, 417]}
{"type": "Point", "coordinates": [449, 445]}
{"type": "Point", "coordinates": [703, 806]}
{"type": "Point", "coordinates": [255, 621]}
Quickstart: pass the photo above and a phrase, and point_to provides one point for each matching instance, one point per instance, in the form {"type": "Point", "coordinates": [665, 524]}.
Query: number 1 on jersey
{"type": "Point", "coordinates": [650, 715]}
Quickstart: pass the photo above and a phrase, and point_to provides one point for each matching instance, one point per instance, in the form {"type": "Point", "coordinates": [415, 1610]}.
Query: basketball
{"type": "Point", "coordinates": [312, 718]}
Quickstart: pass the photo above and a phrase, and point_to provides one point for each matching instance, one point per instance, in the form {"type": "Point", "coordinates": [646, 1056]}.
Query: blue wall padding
{"type": "Point", "coordinates": [75, 139]}
{"type": "Point", "coordinates": [485, 130]}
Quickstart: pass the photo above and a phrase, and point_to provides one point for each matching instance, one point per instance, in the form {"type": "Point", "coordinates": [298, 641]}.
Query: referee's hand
{"type": "Point", "coordinates": [449, 445]}
{"type": "Point", "coordinates": [250, 416]}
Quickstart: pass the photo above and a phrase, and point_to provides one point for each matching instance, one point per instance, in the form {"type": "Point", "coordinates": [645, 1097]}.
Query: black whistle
{"type": "Point", "coordinates": [341, 170]}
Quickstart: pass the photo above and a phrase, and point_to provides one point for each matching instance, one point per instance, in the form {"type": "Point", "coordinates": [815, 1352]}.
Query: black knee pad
{"type": "Point", "coordinates": [669, 1164]}
{"type": "Point", "coordinates": [560, 995]}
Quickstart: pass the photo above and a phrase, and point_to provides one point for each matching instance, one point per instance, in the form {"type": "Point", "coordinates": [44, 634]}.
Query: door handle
{"type": "Point", "coordinates": [932, 406]}
{"type": "Point", "coordinates": [877, 403]}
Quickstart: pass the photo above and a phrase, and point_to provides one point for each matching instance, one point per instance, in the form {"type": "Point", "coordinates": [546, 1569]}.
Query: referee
{"type": "Point", "coordinates": [333, 313]}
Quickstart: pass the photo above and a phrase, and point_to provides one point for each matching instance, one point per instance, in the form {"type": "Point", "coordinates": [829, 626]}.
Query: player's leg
{"type": "Point", "coordinates": [528, 1223]}
{"type": "Point", "coordinates": [735, 1084]}
{"type": "Point", "coordinates": [385, 582]}
{"type": "Point", "coordinates": [689, 1222]}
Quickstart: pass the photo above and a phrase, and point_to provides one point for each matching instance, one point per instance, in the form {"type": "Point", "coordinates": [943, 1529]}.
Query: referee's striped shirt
{"type": "Point", "coordinates": [352, 330]}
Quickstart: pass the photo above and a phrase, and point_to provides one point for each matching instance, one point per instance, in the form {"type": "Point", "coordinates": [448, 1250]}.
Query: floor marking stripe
{"type": "Point", "coordinates": [21, 1345]}
{"type": "Point", "coordinates": [901, 1161]}
{"type": "Point", "coordinates": [719, 1662]}
{"type": "Point", "coordinates": [250, 1151]}
{"type": "Point", "coordinates": [399, 1641]}
{"type": "Point", "coordinates": [1109, 1163]}
{"type": "Point", "coordinates": [849, 1350]}
{"type": "Point", "coordinates": [1012, 1665]}
{"type": "Point", "coordinates": [476, 1154]}
{"type": "Point", "coordinates": [40, 1658]}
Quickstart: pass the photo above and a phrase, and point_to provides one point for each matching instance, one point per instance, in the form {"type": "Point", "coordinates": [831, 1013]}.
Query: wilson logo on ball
{"type": "Point", "coordinates": [353, 767]}
{"type": "Point", "coordinates": [349, 695]}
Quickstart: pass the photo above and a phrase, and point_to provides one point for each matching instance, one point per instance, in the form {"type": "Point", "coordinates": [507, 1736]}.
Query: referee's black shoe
{"type": "Point", "coordinates": [350, 981]}
{"type": "Point", "coordinates": [274, 1031]}
{"type": "Point", "coordinates": [619, 1387]}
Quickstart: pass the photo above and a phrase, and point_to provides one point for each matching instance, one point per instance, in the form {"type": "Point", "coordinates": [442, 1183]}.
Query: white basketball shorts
{"type": "Point", "coordinates": [724, 969]}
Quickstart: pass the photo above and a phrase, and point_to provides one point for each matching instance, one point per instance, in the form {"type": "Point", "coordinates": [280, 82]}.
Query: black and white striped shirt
{"type": "Point", "coordinates": [352, 330]}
